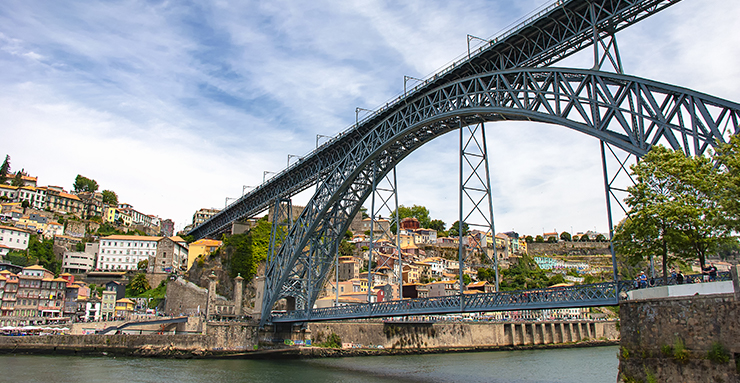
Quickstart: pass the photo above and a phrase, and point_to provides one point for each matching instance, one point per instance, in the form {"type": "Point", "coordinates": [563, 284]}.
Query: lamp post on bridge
{"type": "Point", "coordinates": [471, 37]}
{"type": "Point", "coordinates": [264, 175]}
{"type": "Point", "coordinates": [407, 78]}
{"type": "Point", "coordinates": [226, 202]}
{"type": "Point", "coordinates": [319, 136]}
{"type": "Point", "coordinates": [357, 114]}
{"type": "Point", "coordinates": [245, 187]}
{"type": "Point", "coordinates": [292, 156]}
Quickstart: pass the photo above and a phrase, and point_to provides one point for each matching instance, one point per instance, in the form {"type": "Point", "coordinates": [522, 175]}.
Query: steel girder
{"type": "Point", "coordinates": [624, 111]}
{"type": "Point", "coordinates": [558, 31]}
{"type": "Point", "coordinates": [602, 294]}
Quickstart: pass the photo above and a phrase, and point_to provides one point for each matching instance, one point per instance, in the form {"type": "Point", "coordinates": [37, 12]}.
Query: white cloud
{"type": "Point", "coordinates": [176, 106]}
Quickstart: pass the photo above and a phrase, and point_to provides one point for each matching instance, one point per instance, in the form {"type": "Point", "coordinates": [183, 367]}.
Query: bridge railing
{"type": "Point", "coordinates": [600, 294]}
{"type": "Point", "coordinates": [446, 68]}
{"type": "Point", "coordinates": [688, 279]}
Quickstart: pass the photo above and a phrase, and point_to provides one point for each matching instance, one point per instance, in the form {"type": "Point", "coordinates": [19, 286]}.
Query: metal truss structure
{"type": "Point", "coordinates": [626, 112]}
{"type": "Point", "coordinates": [603, 294]}
{"type": "Point", "coordinates": [476, 203]}
{"type": "Point", "coordinates": [593, 295]}
{"type": "Point", "coordinates": [503, 80]}
{"type": "Point", "coordinates": [556, 32]}
{"type": "Point", "coordinates": [384, 200]}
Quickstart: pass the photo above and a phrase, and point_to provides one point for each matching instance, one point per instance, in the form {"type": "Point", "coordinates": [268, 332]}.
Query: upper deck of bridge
{"type": "Point", "coordinates": [550, 34]}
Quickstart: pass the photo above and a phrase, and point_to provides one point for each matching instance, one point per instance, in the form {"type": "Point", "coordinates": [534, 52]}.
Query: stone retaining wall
{"type": "Point", "coordinates": [651, 330]}
{"type": "Point", "coordinates": [473, 334]}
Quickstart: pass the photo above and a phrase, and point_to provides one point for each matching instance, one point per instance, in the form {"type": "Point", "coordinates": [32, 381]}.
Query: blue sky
{"type": "Point", "coordinates": [177, 105]}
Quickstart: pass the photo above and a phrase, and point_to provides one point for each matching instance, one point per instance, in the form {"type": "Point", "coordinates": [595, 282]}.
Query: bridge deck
{"type": "Point", "coordinates": [602, 294]}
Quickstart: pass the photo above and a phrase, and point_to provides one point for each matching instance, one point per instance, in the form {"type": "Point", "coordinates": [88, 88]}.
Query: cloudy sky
{"type": "Point", "coordinates": [176, 105]}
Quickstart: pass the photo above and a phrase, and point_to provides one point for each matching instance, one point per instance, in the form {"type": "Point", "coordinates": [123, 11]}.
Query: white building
{"type": "Point", "coordinates": [124, 252]}
{"type": "Point", "coordinates": [13, 238]}
{"type": "Point", "coordinates": [36, 197]}
{"type": "Point", "coordinates": [77, 262]}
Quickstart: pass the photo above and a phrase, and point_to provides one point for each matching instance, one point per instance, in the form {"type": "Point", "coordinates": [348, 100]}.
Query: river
{"type": "Point", "coordinates": [574, 365]}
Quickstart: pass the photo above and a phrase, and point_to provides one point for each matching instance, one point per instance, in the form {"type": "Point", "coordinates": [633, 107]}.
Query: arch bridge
{"type": "Point", "coordinates": [509, 78]}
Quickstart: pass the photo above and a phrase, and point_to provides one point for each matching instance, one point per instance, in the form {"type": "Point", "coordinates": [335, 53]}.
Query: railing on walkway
{"type": "Point", "coordinates": [600, 294]}
{"type": "Point", "coordinates": [591, 295]}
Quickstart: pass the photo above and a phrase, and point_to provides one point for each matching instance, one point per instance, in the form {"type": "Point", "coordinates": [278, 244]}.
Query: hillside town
{"type": "Point", "coordinates": [88, 273]}
{"type": "Point", "coordinates": [82, 256]}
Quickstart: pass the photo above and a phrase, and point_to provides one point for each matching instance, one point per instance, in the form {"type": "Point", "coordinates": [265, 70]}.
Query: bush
{"type": "Point", "coordinates": [334, 341]}
{"type": "Point", "coordinates": [718, 353]}
{"type": "Point", "coordinates": [680, 353]}
{"type": "Point", "coordinates": [666, 350]}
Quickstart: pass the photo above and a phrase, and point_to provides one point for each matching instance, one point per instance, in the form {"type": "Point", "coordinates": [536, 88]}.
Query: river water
{"type": "Point", "coordinates": [575, 365]}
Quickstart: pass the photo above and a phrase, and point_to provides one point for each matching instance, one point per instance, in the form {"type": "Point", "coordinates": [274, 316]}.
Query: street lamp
{"type": "Point", "coordinates": [293, 156]}
{"type": "Point", "coordinates": [319, 136]}
{"type": "Point", "coordinates": [245, 187]}
{"type": "Point", "coordinates": [226, 203]}
{"type": "Point", "coordinates": [471, 37]}
{"type": "Point", "coordinates": [357, 114]}
{"type": "Point", "coordinates": [265, 173]}
{"type": "Point", "coordinates": [407, 78]}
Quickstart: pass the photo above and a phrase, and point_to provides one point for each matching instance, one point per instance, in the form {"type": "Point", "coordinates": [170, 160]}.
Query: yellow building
{"type": "Point", "coordinates": [124, 307]}
{"type": "Point", "coordinates": [115, 215]}
{"type": "Point", "coordinates": [201, 247]}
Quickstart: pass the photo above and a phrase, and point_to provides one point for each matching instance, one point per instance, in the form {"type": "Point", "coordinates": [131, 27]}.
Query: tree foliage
{"type": "Point", "coordinates": [565, 236]}
{"type": "Point", "coordinates": [5, 170]}
{"type": "Point", "coordinates": [18, 179]}
{"type": "Point", "coordinates": [110, 197]}
{"type": "Point", "coordinates": [139, 284]}
{"type": "Point", "coordinates": [84, 184]}
{"type": "Point", "coordinates": [525, 274]}
{"type": "Point", "coordinates": [247, 250]}
{"type": "Point", "coordinates": [675, 209]}
{"type": "Point", "coordinates": [454, 229]}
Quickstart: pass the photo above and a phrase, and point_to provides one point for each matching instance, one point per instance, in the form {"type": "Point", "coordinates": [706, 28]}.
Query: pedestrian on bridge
{"type": "Point", "coordinates": [642, 280]}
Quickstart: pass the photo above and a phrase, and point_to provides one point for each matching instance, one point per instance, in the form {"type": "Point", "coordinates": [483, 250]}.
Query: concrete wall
{"type": "Point", "coordinates": [650, 327]}
{"type": "Point", "coordinates": [450, 335]}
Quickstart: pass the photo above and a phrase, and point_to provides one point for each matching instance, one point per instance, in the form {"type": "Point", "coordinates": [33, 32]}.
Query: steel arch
{"type": "Point", "coordinates": [628, 112]}
{"type": "Point", "coordinates": [556, 32]}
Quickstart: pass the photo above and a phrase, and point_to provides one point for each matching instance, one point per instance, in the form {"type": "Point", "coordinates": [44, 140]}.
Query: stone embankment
{"type": "Point", "coordinates": [680, 339]}
{"type": "Point", "coordinates": [234, 339]}
{"type": "Point", "coordinates": [447, 335]}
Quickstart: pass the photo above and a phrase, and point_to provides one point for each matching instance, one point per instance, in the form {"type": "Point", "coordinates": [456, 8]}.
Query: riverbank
{"type": "Point", "coordinates": [160, 346]}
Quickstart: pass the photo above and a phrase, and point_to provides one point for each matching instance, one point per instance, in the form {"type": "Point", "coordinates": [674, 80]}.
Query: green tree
{"type": "Point", "coordinates": [80, 247]}
{"type": "Point", "coordinates": [247, 250]}
{"type": "Point", "coordinates": [139, 284]}
{"type": "Point", "coordinates": [18, 179]}
{"type": "Point", "coordinates": [552, 239]}
{"type": "Point", "coordinates": [437, 224]}
{"type": "Point", "coordinates": [5, 170]}
{"type": "Point", "coordinates": [453, 232]}
{"type": "Point", "coordinates": [143, 265]}
{"type": "Point", "coordinates": [600, 238]}
{"type": "Point", "coordinates": [565, 236]}
{"type": "Point", "coordinates": [421, 213]}
{"type": "Point", "coordinates": [529, 239]}
{"type": "Point", "coordinates": [584, 238]}
{"type": "Point", "coordinates": [42, 249]}
{"type": "Point", "coordinates": [674, 209]}
{"type": "Point", "coordinates": [728, 157]}
{"type": "Point", "coordinates": [110, 197]}
{"type": "Point", "coordinates": [539, 239]}
{"type": "Point", "coordinates": [84, 184]}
